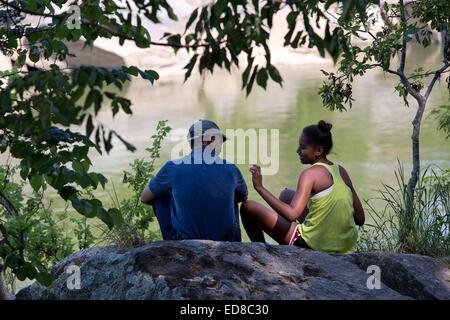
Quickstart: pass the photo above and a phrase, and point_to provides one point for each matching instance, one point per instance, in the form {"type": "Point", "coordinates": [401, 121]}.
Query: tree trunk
{"type": "Point", "coordinates": [409, 205]}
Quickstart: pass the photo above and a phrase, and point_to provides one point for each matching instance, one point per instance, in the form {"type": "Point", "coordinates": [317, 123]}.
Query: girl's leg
{"type": "Point", "coordinates": [254, 230]}
{"type": "Point", "coordinates": [257, 218]}
{"type": "Point", "coordinates": [286, 195]}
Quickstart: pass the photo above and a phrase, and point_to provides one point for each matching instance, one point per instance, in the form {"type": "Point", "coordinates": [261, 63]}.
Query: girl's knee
{"type": "Point", "coordinates": [286, 195]}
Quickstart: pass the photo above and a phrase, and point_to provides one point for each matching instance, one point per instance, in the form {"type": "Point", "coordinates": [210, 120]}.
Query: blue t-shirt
{"type": "Point", "coordinates": [204, 194]}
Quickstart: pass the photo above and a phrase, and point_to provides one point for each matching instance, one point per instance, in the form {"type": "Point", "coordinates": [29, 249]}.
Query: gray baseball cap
{"type": "Point", "coordinates": [204, 128]}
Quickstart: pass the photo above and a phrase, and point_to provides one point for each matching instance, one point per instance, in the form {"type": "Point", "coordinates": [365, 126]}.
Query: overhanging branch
{"type": "Point", "coordinates": [106, 28]}
{"type": "Point", "coordinates": [401, 68]}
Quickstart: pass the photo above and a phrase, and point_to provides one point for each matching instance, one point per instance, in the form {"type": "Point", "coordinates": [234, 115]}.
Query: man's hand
{"type": "Point", "coordinates": [256, 176]}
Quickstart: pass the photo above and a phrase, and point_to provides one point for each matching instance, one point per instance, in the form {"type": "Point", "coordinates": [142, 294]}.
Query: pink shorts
{"type": "Point", "coordinates": [295, 235]}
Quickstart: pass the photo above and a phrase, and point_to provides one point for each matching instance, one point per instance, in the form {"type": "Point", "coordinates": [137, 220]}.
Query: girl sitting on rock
{"type": "Point", "coordinates": [325, 203]}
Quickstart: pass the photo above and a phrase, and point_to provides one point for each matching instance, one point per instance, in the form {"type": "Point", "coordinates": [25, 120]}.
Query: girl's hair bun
{"type": "Point", "coordinates": [324, 126]}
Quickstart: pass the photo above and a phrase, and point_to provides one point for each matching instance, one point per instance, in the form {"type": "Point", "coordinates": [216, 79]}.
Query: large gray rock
{"type": "Point", "coordinates": [419, 277]}
{"type": "Point", "coordinates": [222, 270]}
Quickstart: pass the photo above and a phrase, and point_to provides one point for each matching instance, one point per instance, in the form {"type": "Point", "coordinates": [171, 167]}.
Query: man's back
{"type": "Point", "coordinates": [203, 196]}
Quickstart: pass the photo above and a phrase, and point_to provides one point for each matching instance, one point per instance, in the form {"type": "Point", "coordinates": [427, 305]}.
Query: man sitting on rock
{"type": "Point", "coordinates": [197, 196]}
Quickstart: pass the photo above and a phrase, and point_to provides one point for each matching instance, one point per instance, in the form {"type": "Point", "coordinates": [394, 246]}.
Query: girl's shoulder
{"type": "Point", "coordinates": [313, 172]}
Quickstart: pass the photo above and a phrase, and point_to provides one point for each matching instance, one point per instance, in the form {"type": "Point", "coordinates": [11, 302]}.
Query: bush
{"type": "Point", "coordinates": [33, 239]}
{"type": "Point", "coordinates": [428, 233]}
{"type": "Point", "coordinates": [134, 229]}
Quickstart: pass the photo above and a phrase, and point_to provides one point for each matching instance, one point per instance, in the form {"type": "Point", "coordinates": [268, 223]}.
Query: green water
{"type": "Point", "coordinates": [368, 139]}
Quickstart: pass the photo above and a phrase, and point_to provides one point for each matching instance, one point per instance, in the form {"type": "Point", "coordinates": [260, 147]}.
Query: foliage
{"type": "Point", "coordinates": [33, 240]}
{"type": "Point", "coordinates": [36, 105]}
{"type": "Point", "coordinates": [36, 236]}
{"type": "Point", "coordinates": [364, 49]}
{"type": "Point", "coordinates": [442, 115]}
{"type": "Point", "coordinates": [134, 227]}
{"type": "Point", "coordinates": [430, 234]}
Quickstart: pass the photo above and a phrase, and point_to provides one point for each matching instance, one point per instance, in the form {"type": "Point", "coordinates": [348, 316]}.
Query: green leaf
{"type": "Point", "coordinates": [131, 70]}
{"type": "Point", "coordinates": [252, 79]}
{"type": "Point", "coordinates": [142, 38]}
{"type": "Point", "coordinates": [275, 75]}
{"type": "Point", "coordinates": [13, 261]}
{"type": "Point", "coordinates": [26, 270]}
{"type": "Point", "coordinates": [117, 217]}
{"type": "Point", "coordinates": [192, 18]}
{"type": "Point", "coordinates": [21, 59]}
{"type": "Point", "coordinates": [89, 126]}
{"type": "Point", "coordinates": [105, 217]}
{"type": "Point", "coordinates": [94, 97]}
{"type": "Point", "coordinates": [292, 18]}
{"type": "Point", "coordinates": [124, 104]}
{"type": "Point", "coordinates": [80, 152]}
{"type": "Point", "coordinates": [44, 278]}
{"type": "Point", "coordinates": [36, 182]}
{"type": "Point", "coordinates": [67, 192]}
{"type": "Point", "coordinates": [190, 66]}
{"type": "Point", "coordinates": [81, 166]}
{"type": "Point", "coordinates": [84, 207]}
{"type": "Point", "coordinates": [262, 77]}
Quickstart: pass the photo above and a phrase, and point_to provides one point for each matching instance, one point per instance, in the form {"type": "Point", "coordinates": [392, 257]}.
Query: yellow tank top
{"type": "Point", "coordinates": [330, 226]}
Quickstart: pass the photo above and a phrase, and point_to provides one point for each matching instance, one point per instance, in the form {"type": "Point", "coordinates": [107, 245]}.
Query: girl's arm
{"type": "Point", "coordinates": [297, 206]}
{"type": "Point", "coordinates": [358, 214]}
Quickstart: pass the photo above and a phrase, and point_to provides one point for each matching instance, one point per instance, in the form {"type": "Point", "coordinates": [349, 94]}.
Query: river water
{"type": "Point", "coordinates": [368, 139]}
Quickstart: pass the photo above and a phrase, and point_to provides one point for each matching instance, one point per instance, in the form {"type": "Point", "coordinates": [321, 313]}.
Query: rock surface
{"type": "Point", "coordinates": [195, 269]}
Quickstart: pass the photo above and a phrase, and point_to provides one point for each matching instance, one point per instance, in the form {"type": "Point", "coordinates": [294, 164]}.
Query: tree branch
{"type": "Point", "coordinates": [106, 28]}
{"type": "Point", "coordinates": [401, 68]}
{"type": "Point", "coordinates": [9, 207]}
{"type": "Point", "coordinates": [20, 9]}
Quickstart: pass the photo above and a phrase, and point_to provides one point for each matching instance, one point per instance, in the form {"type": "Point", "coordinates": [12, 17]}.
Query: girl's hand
{"type": "Point", "coordinates": [256, 176]}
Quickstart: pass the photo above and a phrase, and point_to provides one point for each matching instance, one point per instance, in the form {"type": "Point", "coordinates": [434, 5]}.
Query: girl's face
{"type": "Point", "coordinates": [307, 151]}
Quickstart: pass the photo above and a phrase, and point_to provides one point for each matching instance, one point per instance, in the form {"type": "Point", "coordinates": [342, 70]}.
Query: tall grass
{"type": "Point", "coordinates": [428, 233]}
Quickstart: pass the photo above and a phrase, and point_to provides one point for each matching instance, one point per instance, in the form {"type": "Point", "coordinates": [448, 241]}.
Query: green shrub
{"type": "Point", "coordinates": [33, 239]}
{"type": "Point", "coordinates": [428, 233]}
{"type": "Point", "coordinates": [134, 229]}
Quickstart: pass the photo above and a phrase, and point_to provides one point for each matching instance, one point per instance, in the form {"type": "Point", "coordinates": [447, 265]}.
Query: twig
{"type": "Point", "coordinates": [9, 207]}
{"type": "Point", "coordinates": [401, 68]}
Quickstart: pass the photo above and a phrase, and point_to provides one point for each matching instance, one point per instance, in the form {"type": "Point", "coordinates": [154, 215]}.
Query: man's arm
{"type": "Point", "coordinates": [147, 196]}
{"type": "Point", "coordinates": [159, 184]}
{"type": "Point", "coordinates": [241, 191]}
